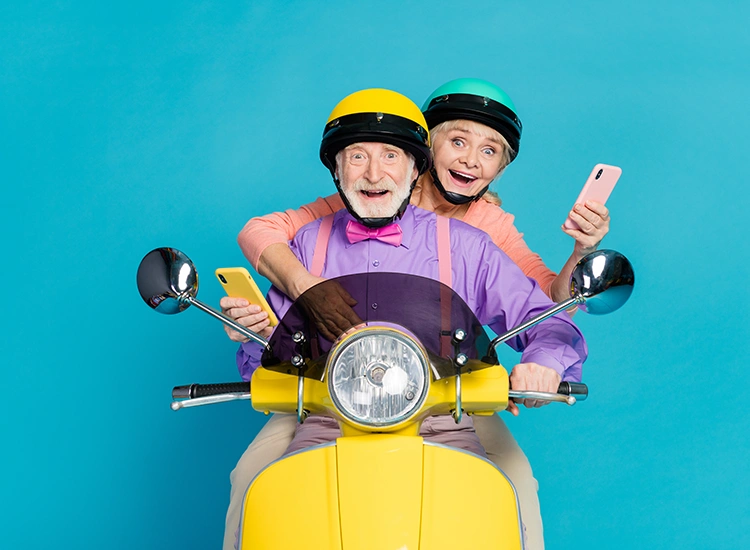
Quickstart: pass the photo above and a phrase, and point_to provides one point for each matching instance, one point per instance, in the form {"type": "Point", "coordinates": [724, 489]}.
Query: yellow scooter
{"type": "Point", "coordinates": [418, 351]}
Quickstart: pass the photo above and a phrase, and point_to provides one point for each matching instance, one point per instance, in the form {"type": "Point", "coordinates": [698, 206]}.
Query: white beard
{"type": "Point", "coordinates": [366, 208]}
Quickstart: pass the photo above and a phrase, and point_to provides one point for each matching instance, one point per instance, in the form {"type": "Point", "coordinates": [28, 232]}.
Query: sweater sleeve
{"type": "Point", "coordinates": [498, 224]}
{"type": "Point", "coordinates": [281, 227]}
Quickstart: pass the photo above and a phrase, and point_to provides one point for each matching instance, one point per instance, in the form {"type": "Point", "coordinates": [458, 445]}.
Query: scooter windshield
{"type": "Point", "coordinates": [428, 309]}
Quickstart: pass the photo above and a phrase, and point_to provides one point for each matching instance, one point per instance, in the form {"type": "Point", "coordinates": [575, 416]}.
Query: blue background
{"type": "Point", "coordinates": [149, 124]}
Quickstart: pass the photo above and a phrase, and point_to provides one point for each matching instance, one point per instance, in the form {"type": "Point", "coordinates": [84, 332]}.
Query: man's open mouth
{"type": "Point", "coordinates": [374, 194]}
{"type": "Point", "coordinates": [460, 177]}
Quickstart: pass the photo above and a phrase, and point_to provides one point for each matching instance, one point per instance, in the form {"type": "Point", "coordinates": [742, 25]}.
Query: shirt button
{"type": "Point", "coordinates": [375, 305]}
{"type": "Point", "coordinates": [376, 263]}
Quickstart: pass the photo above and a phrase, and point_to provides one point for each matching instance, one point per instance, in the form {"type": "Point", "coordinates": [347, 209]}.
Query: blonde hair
{"type": "Point", "coordinates": [483, 131]}
{"type": "Point", "coordinates": [492, 198]}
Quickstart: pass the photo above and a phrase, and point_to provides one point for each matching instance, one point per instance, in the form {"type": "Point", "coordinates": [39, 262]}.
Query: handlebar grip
{"type": "Point", "coordinates": [204, 390]}
{"type": "Point", "coordinates": [576, 389]}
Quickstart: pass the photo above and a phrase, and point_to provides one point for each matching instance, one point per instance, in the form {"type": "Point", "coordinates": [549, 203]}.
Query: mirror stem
{"type": "Point", "coordinates": [576, 300]}
{"type": "Point", "coordinates": [231, 323]}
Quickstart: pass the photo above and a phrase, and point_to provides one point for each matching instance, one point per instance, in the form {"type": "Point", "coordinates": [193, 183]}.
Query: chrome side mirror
{"type": "Point", "coordinates": [168, 283]}
{"type": "Point", "coordinates": [601, 283]}
{"type": "Point", "coordinates": [167, 279]}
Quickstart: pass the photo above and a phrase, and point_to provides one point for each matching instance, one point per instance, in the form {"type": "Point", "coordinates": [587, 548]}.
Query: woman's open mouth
{"type": "Point", "coordinates": [461, 178]}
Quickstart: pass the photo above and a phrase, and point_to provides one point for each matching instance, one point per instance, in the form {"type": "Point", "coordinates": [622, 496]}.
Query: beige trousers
{"type": "Point", "coordinates": [272, 441]}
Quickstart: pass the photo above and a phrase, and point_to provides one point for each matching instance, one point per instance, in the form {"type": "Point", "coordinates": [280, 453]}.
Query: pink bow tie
{"type": "Point", "coordinates": [357, 232]}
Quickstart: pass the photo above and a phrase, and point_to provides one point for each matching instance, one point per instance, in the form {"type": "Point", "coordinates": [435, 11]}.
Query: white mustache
{"type": "Point", "coordinates": [386, 184]}
{"type": "Point", "coordinates": [362, 206]}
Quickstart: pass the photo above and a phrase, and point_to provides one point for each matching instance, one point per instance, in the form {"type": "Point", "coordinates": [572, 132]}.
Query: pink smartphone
{"type": "Point", "coordinates": [598, 187]}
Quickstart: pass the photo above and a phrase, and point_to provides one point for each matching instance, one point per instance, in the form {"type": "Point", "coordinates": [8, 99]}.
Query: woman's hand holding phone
{"type": "Point", "coordinates": [248, 315]}
{"type": "Point", "coordinates": [592, 219]}
{"type": "Point", "coordinates": [588, 221]}
{"type": "Point", "coordinates": [245, 303]}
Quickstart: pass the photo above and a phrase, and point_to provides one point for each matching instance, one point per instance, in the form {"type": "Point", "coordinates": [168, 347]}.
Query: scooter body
{"type": "Point", "coordinates": [416, 353]}
{"type": "Point", "coordinates": [381, 490]}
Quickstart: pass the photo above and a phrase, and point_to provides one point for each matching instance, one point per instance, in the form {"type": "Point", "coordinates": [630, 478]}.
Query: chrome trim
{"type": "Point", "coordinates": [209, 400]}
{"type": "Point", "coordinates": [458, 412]}
{"type": "Point", "coordinates": [542, 396]}
{"type": "Point", "coordinates": [228, 321]}
{"type": "Point", "coordinates": [301, 416]}
{"type": "Point", "coordinates": [576, 300]}
{"type": "Point", "coordinates": [401, 334]}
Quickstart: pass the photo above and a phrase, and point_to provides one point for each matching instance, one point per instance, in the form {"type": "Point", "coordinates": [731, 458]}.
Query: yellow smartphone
{"type": "Point", "coordinates": [238, 283]}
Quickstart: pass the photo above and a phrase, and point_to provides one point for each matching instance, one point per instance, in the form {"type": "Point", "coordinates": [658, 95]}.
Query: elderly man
{"type": "Point", "coordinates": [376, 144]}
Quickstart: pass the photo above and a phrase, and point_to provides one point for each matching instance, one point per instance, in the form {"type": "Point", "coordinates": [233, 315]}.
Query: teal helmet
{"type": "Point", "coordinates": [479, 101]}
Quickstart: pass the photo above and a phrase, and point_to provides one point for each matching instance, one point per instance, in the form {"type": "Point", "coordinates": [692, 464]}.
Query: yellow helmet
{"type": "Point", "coordinates": [376, 115]}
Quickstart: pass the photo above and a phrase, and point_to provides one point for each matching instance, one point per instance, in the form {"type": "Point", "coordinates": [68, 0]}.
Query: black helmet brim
{"type": "Point", "coordinates": [378, 128]}
{"type": "Point", "coordinates": [477, 109]}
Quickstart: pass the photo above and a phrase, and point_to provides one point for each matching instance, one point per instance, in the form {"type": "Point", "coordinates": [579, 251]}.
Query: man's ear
{"type": "Point", "coordinates": [336, 176]}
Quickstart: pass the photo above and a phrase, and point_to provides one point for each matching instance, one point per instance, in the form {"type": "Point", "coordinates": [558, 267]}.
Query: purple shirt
{"type": "Point", "coordinates": [494, 287]}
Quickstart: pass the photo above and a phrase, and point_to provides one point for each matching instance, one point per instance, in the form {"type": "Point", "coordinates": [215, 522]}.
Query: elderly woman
{"type": "Point", "coordinates": [475, 135]}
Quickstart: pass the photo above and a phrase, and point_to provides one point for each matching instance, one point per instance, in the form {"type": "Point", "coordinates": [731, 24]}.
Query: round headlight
{"type": "Point", "coordinates": [378, 376]}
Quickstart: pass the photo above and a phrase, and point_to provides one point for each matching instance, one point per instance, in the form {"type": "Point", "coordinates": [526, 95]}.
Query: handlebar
{"type": "Point", "coordinates": [195, 395]}
{"type": "Point", "coordinates": [576, 389]}
{"type": "Point", "coordinates": [567, 392]}
{"type": "Point", "coordinates": [204, 390]}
